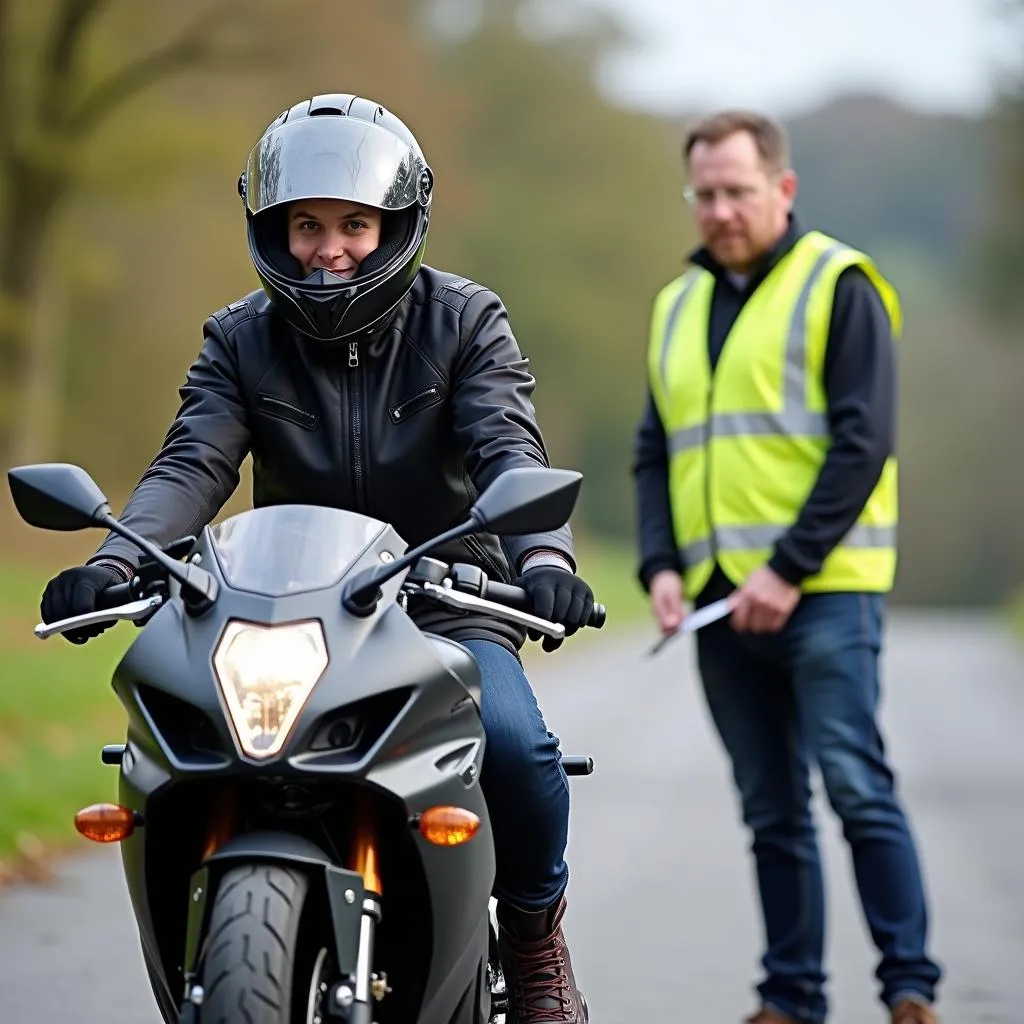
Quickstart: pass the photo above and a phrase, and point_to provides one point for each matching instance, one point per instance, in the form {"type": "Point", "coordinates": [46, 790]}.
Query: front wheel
{"type": "Point", "coordinates": [249, 969]}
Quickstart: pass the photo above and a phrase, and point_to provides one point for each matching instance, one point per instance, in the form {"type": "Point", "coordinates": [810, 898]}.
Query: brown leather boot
{"type": "Point", "coordinates": [913, 1011]}
{"type": "Point", "coordinates": [538, 972]}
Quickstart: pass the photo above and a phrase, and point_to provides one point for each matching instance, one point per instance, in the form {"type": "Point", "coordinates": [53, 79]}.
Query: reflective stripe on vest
{"type": "Point", "coordinates": [742, 538]}
{"type": "Point", "coordinates": [865, 559]}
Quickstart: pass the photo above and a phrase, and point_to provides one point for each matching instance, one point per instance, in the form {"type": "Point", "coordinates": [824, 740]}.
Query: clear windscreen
{"type": "Point", "coordinates": [285, 549]}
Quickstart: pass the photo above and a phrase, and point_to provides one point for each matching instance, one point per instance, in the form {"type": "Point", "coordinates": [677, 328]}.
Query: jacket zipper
{"type": "Point", "coordinates": [287, 411]}
{"type": "Point", "coordinates": [413, 405]}
{"type": "Point", "coordinates": [355, 425]}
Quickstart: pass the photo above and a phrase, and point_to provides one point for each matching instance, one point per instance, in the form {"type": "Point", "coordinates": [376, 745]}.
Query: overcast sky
{"type": "Point", "coordinates": [785, 56]}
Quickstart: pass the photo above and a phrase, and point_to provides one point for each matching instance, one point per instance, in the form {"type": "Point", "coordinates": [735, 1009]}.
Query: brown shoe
{"type": "Point", "coordinates": [913, 1011]}
{"type": "Point", "coordinates": [538, 972]}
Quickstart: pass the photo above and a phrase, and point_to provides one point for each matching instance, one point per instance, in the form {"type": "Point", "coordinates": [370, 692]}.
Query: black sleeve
{"type": "Point", "coordinates": [655, 534]}
{"type": "Point", "coordinates": [196, 469]}
{"type": "Point", "coordinates": [860, 382]}
{"type": "Point", "coordinates": [494, 416]}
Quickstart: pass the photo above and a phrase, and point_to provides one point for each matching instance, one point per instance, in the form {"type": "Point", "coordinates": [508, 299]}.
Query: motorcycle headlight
{"type": "Point", "coordinates": [266, 674]}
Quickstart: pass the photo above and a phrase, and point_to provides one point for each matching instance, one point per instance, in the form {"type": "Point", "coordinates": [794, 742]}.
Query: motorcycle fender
{"type": "Point", "coordinates": [344, 889]}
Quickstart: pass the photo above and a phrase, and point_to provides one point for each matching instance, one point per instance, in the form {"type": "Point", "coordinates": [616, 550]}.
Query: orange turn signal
{"type": "Point", "coordinates": [448, 826]}
{"type": "Point", "coordinates": [105, 823]}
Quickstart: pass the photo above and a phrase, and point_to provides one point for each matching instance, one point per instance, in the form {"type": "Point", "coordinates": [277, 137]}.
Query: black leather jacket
{"type": "Point", "coordinates": [407, 424]}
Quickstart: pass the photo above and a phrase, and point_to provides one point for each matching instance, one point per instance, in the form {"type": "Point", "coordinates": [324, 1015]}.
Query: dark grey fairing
{"type": "Point", "coordinates": [289, 726]}
{"type": "Point", "coordinates": [395, 713]}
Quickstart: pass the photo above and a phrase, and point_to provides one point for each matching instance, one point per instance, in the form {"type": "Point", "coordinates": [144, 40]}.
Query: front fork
{"type": "Point", "coordinates": [353, 999]}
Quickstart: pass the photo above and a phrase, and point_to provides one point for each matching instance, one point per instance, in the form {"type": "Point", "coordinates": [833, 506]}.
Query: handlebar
{"type": "Point", "coordinates": [463, 585]}
{"type": "Point", "coordinates": [492, 590]}
{"type": "Point", "coordinates": [466, 586]}
{"type": "Point", "coordinates": [516, 597]}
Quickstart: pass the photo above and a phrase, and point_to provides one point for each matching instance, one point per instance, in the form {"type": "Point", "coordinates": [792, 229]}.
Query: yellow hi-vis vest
{"type": "Point", "coordinates": [746, 443]}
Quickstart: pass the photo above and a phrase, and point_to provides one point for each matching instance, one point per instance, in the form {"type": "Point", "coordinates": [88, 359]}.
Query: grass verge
{"type": "Point", "coordinates": [56, 711]}
{"type": "Point", "coordinates": [1017, 614]}
{"type": "Point", "coordinates": [610, 569]}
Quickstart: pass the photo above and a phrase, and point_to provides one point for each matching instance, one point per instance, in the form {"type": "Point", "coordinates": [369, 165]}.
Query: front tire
{"type": "Point", "coordinates": [249, 970]}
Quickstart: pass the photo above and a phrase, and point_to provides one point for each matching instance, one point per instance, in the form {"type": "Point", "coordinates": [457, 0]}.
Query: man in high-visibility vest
{"type": "Point", "coordinates": [765, 470]}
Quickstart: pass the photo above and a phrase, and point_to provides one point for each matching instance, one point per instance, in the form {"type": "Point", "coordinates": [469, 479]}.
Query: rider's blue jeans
{"type": "Point", "coordinates": [781, 702]}
{"type": "Point", "coordinates": [524, 783]}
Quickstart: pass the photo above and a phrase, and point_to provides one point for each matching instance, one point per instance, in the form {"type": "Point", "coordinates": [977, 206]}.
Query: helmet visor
{"type": "Point", "coordinates": [332, 157]}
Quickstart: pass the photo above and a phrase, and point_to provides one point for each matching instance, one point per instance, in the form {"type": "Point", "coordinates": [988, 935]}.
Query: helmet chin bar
{"type": "Point", "coordinates": [322, 276]}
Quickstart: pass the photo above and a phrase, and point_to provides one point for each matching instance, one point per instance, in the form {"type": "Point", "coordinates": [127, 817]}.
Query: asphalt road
{"type": "Point", "coordinates": [662, 920]}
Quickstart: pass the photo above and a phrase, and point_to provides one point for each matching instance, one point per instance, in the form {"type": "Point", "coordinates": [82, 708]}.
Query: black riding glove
{"type": "Point", "coordinates": [74, 592]}
{"type": "Point", "coordinates": [558, 596]}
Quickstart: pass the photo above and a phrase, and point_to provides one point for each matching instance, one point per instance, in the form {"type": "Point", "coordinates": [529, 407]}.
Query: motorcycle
{"type": "Point", "coordinates": [300, 758]}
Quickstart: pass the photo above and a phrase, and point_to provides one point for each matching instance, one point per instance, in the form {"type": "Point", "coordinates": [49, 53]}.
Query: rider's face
{"type": "Point", "coordinates": [332, 234]}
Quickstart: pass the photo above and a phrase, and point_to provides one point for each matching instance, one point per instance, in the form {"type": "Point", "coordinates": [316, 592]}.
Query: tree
{"type": "Point", "coordinates": [999, 271]}
{"type": "Point", "coordinates": [60, 85]}
{"type": "Point", "coordinates": [576, 218]}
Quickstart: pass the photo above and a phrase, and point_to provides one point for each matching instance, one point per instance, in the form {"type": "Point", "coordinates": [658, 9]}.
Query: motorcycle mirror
{"type": "Point", "coordinates": [528, 499]}
{"type": "Point", "coordinates": [57, 496]}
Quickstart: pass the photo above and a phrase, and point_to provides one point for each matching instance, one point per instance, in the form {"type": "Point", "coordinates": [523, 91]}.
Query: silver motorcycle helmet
{"type": "Point", "coordinates": [337, 146]}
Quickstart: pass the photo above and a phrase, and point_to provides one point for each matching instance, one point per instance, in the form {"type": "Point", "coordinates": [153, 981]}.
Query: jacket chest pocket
{"type": "Point", "coordinates": [424, 400]}
{"type": "Point", "coordinates": [282, 409]}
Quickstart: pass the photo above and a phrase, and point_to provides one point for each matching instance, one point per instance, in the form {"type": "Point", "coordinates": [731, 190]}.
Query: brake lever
{"type": "Point", "coordinates": [468, 601]}
{"type": "Point", "coordinates": [132, 612]}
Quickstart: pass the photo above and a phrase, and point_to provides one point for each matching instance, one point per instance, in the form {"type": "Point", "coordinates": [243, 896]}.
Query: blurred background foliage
{"type": "Point", "coordinates": [123, 128]}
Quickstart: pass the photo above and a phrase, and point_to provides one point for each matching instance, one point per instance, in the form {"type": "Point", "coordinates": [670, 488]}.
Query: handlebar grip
{"type": "Point", "coordinates": [505, 593]}
{"type": "Point", "coordinates": [516, 597]}
{"type": "Point", "coordinates": [111, 597]}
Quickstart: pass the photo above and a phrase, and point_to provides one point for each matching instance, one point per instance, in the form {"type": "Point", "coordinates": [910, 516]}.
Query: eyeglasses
{"type": "Point", "coordinates": [734, 195]}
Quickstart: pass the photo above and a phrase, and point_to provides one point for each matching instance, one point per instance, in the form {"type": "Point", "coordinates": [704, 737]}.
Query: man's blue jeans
{"type": "Point", "coordinates": [782, 702]}
{"type": "Point", "coordinates": [524, 783]}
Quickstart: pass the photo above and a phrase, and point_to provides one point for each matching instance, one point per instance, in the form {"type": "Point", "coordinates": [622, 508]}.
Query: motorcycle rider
{"type": "Point", "coordinates": [359, 378]}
